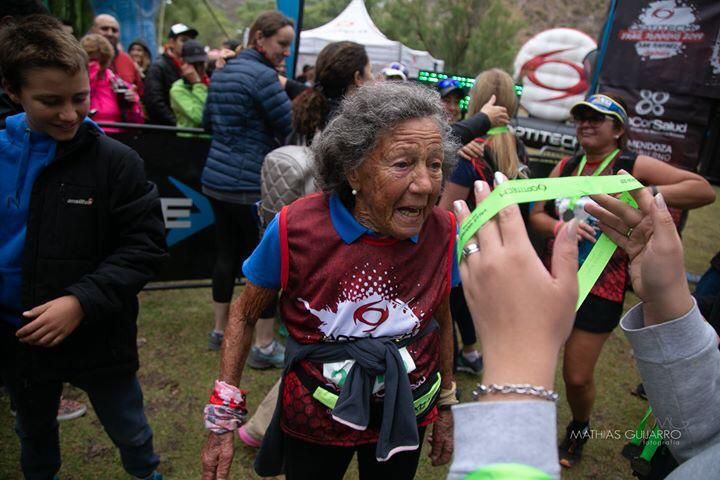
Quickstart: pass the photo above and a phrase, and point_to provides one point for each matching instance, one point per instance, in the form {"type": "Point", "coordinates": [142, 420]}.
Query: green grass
{"type": "Point", "coordinates": [177, 372]}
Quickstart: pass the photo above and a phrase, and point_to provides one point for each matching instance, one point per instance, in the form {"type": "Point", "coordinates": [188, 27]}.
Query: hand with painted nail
{"type": "Point", "coordinates": [649, 237]}
{"type": "Point", "coordinates": [512, 297]}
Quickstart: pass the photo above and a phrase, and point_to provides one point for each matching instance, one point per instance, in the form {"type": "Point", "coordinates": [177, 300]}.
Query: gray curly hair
{"type": "Point", "coordinates": [363, 118]}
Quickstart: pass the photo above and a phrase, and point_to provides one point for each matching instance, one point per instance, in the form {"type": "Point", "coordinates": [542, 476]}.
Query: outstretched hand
{"type": "Point", "coordinates": [649, 237]}
{"type": "Point", "coordinates": [523, 314]}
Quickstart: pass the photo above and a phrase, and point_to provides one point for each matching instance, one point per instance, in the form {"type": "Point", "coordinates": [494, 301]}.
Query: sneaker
{"type": "Point", "coordinates": [474, 367]}
{"type": "Point", "coordinates": [215, 340]}
{"type": "Point", "coordinates": [248, 439]}
{"type": "Point", "coordinates": [570, 450]}
{"type": "Point", "coordinates": [275, 359]}
{"type": "Point", "coordinates": [70, 409]}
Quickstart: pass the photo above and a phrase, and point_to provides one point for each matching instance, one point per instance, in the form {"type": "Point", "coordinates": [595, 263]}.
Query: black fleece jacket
{"type": "Point", "coordinates": [95, 230]}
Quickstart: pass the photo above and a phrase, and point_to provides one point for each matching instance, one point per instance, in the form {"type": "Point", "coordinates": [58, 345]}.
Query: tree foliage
{"type": "Point", "coordinates": [470, 35]}
{"type": "Point", "coordinates": [195, 13]}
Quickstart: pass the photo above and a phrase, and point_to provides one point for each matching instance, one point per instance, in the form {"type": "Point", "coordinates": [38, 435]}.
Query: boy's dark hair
{"type": "Point", "coordinates": [20, 8]}
{"type": "Point", "coordinates": [37, 41]}
{"type": "Point", "coordinates": [268, 23]}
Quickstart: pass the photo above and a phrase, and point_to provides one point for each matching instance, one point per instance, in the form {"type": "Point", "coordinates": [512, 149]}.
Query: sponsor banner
{"type": "Point", "coordinates": [175, 164]}
{"type": "Point", "coordinates": [667, 126]}
{"type": "Point", "coordinates": [550, 68]}
{"type": "Point", "coordinates": [669, 45]}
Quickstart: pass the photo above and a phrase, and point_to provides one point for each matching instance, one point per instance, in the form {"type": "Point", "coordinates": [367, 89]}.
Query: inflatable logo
{"type": "Point", "coordinates": [550, 68]}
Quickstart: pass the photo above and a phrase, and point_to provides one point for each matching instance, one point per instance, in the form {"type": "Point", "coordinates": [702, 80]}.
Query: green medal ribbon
{"type": "Point", "coordinates": [498, 130]}
{"type": "Point", "coordinates": [543, 189]}
{"type": "Point", "coordinates": [597, 172]}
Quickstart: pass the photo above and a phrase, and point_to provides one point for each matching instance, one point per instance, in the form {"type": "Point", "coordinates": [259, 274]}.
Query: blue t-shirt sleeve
{"type": "Point", "coordinates": [262, 268]}
{"type": "Point", "coordinates": [464, 174]}
{"type": "Point", "coordinates": [455, 279]}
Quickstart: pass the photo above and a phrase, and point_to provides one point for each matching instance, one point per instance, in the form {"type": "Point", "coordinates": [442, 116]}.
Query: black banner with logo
{"type": "Point", "coordinates": [663, 59]}
{"type": "Point", "coordinates": [175, 164]}
{"type": "Point", "coordinates": [667, 45]}
{"type": "Point", "coordinates": [667, 126]}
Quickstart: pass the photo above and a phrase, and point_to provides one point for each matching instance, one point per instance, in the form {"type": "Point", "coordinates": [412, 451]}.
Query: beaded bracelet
{"type": "Point", "coordinates": [522, 389]}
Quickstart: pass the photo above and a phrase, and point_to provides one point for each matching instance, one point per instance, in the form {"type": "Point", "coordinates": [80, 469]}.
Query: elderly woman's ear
{"type": "Point", "coordinates": [353, 178]}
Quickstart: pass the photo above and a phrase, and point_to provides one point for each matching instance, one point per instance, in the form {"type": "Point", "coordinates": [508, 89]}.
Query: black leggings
{"type": "Point", "coordinates": [461, 315]}
{"type": "Point", "coordinates": [310, 461]}
{"type": "Point", "coordinates": [236, 235]}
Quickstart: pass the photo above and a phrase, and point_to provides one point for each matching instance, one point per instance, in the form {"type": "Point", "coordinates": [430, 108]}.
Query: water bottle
{"type": "Point", "coordinates": [562, 208]}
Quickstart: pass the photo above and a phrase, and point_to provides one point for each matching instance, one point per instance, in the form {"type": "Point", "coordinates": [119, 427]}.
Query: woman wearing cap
{"type": "Point", "coordinates": [502, 152]}
{"type": "Point", "coordinates": [248, 113]}
{"type": "Point", "coordinates": [600, 126]}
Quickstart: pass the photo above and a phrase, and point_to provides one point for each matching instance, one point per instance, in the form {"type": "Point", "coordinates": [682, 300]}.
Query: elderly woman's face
{"type": "Point", "coordinates": [400, 181]}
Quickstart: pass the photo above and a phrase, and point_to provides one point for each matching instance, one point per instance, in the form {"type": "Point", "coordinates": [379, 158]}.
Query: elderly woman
{"type": "Point", "coordinates": [365, 269]}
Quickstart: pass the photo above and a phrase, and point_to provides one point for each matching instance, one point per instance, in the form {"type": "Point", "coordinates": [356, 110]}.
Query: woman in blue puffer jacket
{"type": "Point", "coordinates": [248, 114]}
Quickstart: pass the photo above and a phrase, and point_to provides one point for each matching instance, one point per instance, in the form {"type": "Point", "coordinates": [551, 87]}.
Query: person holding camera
{"type": "Point", "coordinates": [112, 100]}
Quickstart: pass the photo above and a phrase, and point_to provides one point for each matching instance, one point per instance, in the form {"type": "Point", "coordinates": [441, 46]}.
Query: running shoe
{"type": "Point", "coordinates": [474, 367]}
{"type": "Point", "coordinates": [70, 409]}
{"type": "Point", "coordinates": [570, 450]}
{"type": "Point", "coordinates": [275, 359]}
{"type": "Point", "coordinates": [215, 340]}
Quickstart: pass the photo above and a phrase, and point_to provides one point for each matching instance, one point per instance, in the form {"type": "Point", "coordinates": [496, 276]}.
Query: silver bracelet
{"type": "Point", "coordinates": [522, 389]}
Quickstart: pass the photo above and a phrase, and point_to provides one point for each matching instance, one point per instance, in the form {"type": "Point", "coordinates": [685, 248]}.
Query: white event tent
{"type": "Point", "coordinates": [354, 24]}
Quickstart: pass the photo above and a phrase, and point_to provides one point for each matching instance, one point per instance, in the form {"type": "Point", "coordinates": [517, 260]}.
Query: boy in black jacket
{"type": "Point", "coordinates": [82, 233]}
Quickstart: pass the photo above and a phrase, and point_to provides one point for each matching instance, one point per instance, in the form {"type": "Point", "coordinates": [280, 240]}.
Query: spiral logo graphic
{"type": "Point", "coordinates": [651, 102]}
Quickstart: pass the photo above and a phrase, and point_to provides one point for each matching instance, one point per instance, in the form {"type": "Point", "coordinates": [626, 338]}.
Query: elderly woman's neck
{"type": "Point", "coordinates": [363, 218]}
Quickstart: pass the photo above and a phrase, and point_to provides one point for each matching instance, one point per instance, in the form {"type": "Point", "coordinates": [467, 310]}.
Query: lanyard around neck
{"type": "Point", "coordinates": [603, 165]}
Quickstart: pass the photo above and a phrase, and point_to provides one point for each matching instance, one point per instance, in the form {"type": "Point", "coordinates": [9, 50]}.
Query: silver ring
{"type": "Point", "coordinates": [629, 232]}
{"type": "Point", "coordinates": [470, 249]}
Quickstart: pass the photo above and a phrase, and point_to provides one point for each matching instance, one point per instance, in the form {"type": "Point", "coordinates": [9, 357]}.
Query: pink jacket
{"type": "Point", "coordinates": [104, 101]}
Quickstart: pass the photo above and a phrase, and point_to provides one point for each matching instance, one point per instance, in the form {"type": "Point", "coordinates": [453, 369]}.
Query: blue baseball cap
{"type": "Point", "coordinates": [602, 104]}
{"type": "Point", "coordinates": [448, 86]}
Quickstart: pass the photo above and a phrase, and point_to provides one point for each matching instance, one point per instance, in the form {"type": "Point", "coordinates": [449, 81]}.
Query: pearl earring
{"type": "Point", "coordinates": [354, 192]}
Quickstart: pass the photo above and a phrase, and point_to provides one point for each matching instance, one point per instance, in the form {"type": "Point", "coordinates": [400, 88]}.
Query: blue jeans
{"type": "Point", "coordinates": [118, 403]}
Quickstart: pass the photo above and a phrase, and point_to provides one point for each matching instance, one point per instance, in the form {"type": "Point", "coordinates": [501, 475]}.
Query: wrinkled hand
{"type": "Point", "coordinates": [217, 456]}
{"type": "Point", "coordinates": [441, 441]}
{"type": "Point", "coordinates": [473, 149]}
{"type": "Point", "coordinates": [512, 297]}
{"type": "Point", "coordinates": [657, 269]}
{"type": "Point", "coordinates": [188, 72]}
{"type": "Point", "coordinates": [53, 322]}
{"type": "Point", "coordinates": [498, 115]}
